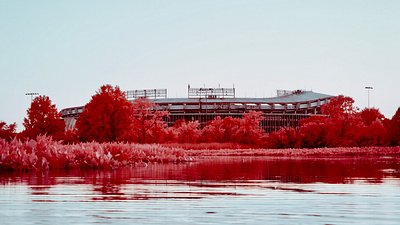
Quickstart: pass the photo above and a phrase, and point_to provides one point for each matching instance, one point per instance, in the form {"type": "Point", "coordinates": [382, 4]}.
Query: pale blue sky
{"type": "Point", "coordinates": [68, 49]}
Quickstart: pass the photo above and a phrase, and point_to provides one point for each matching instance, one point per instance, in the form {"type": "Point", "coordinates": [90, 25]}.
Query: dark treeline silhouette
{"type": "Point", "coordinates": [110, 117]}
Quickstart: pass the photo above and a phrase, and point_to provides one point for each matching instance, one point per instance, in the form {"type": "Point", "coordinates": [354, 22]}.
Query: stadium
{"type": "Point", "coordinates": [205, 104]}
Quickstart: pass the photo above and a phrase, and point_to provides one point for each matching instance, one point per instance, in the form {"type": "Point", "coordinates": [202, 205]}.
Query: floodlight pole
{"type": "Point", "coordinates": [31, 94]}
{"type": "Point", "coordinates": [368, 88]}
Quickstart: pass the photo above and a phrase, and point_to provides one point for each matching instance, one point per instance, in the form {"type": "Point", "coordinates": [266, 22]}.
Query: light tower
{"type": "Point", "coordinates": [368, 88]}
{"type": "Point", "coordinates": [32, 94]}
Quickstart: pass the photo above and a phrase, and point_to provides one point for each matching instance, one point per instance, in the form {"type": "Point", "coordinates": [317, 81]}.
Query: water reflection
{"type": "Point", "coordinates": [215, 172]}
{"type": "Point", "coordinates": [250, 190]}
{"type": "Point", "coordinates": [296, 170]}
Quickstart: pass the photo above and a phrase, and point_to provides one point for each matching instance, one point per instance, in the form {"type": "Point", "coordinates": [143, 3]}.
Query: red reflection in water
{"type": "Point", "coordinates": [222, 171]}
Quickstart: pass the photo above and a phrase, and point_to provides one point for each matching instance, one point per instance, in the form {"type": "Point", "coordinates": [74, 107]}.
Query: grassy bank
{"type": "Point", "coordinates": [339, 151]}
{"type": "Point", "coordinates": [45, 153]}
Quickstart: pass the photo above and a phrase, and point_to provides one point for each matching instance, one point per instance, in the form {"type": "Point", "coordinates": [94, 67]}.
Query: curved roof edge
{"type": "Point", "coordinates": [305, 96]}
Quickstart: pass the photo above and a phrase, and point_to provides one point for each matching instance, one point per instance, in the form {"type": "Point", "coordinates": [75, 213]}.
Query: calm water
{"type": "Point", "coordinates": [253, 190]}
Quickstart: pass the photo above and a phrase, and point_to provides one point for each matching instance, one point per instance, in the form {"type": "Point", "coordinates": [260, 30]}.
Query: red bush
{"type": "Point", "coordinates": [249, 130]}
{"type": "Point", "coordinates": [314, 135]}
{"type": "Point", "coordinates": [214, 131]}
{"type": "Point", "coordinates": [373, 135]}
{"type": "Point", "coordinates": [148, 125]}
{"type": "Point", "coordinates": [188, 132]}
{"type": "Point", "coordinates": [45, 153]}
{"type": "Point", "coordinates": [370, 115]}
{"type": "Point", "coordinates": [286, 137]}
{"type": "Point", "coordinates": [245, 130]}
{"type": "Point", "coordinates": [70, 137]}
{"type": "Point", "coordinates": [231, 127]}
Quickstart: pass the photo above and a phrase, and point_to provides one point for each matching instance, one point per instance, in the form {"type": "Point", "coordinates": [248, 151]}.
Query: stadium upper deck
{"type": "Point", "coordinates": [300, 102]}
{"type": "Point", "coordinates": [204, 104]}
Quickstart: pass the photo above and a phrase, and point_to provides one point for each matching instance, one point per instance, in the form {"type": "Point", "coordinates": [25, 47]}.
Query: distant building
{"type": "Point", "coordinates": [205, 104]}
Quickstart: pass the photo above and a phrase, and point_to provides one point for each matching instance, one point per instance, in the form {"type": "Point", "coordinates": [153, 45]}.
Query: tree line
{"type": "Point", "coordinates": [110, 117]}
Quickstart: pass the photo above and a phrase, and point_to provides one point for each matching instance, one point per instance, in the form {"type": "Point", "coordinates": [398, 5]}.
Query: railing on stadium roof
{"type": "Point", "coordinates": [280, 93]}
{"type": "Point", "coordinates": [146, 93]}
{"type": "Point", "coordinates": [211, 93]}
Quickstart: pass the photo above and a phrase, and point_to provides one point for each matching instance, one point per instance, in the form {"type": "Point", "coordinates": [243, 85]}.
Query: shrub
{"type": "Point", "coordinates": [284, 138]}
{"type": "Point", "coordinates": [45, 153]}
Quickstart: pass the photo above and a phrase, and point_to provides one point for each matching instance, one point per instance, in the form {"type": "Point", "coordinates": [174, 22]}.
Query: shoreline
{"type": "Point", "coordinates": [335, 151]}
{"type": "Point", "coordinates": [47, 154]}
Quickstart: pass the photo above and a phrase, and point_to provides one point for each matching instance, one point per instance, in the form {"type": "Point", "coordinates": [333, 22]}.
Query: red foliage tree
{"type": "Point", "coordinates": [343, 121]}
{"type": "Point", "coordinates": [108, 117]}
{"type": "Point", "coordinates": [372, 135]}
{"type": "Point", "coordinates": [43, 119]}
{"type": "Point", "coordinates": [186, 132]}
{"type": "Point", "coordinates": [317, 119]}
{"type": "Point", "coordinates": [371, 130]}
{"type": "Point", "coordinates": [245, 130]}
{"type": "Point", "coordinates": [394, 129]}
{"type": "Point", "coordinates": [249, 130]}
{"type": "Point", "coordinates": [215, 131]}
{"type": "Point", "coordinates": [286, 137]}
{"type": "Point", "coordinates": [231, 126]}
{"type": "Point", "coordinates": [70, 137]}
{"type": "Point", "coordinates": [344, 126]}
{"type": "Point", "coordinates": [370, 115]}
{"type": "Point", "coordinates": [221, 130]}
{"type": "Point", "coordinates": [339, 106]}
{"type": "Point", "coordinates": [7, 132]}
{"type": "Point", "coordinates": [148, 124]}
{"type": "Point", "coordinates": [313, 132]}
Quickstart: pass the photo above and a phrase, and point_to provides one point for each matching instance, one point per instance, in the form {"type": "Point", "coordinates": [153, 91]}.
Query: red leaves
{"type": "Point", "coordinates": [370, 115]}
{"type": "Point", "coordinates": [394, 129]}
{"type": "Point", "coordinates": [244, 130]}
{"type": "Point", "coordinates": [249, 130]}
{"type": "Point", "coordinates": [107, 117]}
{"type": "Point", "coordinates": [110, 117]}
{"type": "Point", "coordinates": [344, 126]}
{"type": "Point", "coordinates": [148, 124]}
{"type": "Point", "coordinates": [43, 119]}
{"type": "Point", "coordinates": [339, 106]}
{"type": "Point", "coordinates": [314, 135]}
{"type": "Point", "coordinates": [188, 132]}
{"type": "Point", "coordinates": [317, 119]}
{"type": "Point", "coordinates": [7, 132]}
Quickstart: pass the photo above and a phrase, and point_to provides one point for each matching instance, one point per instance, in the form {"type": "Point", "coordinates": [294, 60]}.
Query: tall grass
{"type": "Point", "coordinates": [46, 153]}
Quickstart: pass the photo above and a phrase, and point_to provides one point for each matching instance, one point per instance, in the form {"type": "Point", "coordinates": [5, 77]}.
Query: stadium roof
{"type": "Point", "coordinates": [304, 96]}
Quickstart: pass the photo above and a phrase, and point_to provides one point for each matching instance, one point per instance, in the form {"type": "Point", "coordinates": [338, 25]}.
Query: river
{"type": "Point", "coordinates": [214, 190]}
